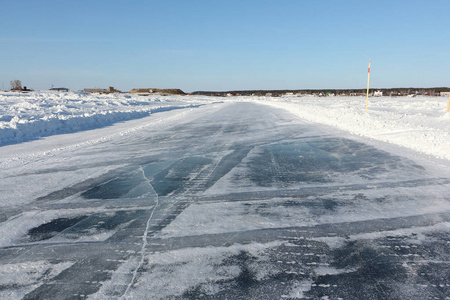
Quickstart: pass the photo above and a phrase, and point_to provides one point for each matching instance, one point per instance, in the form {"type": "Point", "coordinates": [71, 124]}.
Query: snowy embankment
{"type": "Point", "coordinates": [418, 123]}
{"type": "Point", "coordinates": [25, 117]}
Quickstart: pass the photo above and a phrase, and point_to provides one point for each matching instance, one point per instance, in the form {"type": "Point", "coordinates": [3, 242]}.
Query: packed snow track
{"type": "Point", "coordinates": [225, 201]}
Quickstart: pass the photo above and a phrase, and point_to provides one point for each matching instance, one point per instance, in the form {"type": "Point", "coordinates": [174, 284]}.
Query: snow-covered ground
{"type": "Point", "coordinates": [419, 123]}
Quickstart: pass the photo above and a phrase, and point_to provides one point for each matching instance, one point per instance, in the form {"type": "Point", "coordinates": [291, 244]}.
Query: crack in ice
{"type": "Point", "coordinates": [144, 236]}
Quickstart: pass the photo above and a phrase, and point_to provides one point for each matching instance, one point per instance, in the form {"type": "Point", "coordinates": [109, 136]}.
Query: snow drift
{"type": "Point", "coordinates": [25, 117]}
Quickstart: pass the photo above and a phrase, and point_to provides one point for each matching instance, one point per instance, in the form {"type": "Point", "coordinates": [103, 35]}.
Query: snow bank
{"type": "Point", "coordinates": [418, 123]}
{"type": "Point", "coordinates": [25, 117]}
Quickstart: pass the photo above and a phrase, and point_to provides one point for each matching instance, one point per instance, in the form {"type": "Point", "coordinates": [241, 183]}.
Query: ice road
{"type": "Point", "coordinates": [224, 201]}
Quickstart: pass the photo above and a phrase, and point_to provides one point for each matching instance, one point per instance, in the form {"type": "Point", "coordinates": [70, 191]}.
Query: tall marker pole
{"type": "Point", "coordinates": [368, 79]}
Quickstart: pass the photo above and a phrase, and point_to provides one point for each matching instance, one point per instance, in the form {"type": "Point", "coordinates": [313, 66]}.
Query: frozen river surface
{"type": "Point", "coordinates": [226, 201]}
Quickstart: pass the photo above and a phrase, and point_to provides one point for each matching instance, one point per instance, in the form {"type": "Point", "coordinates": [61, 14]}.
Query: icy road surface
{"type": "Point", "coordinates": [224, 201]}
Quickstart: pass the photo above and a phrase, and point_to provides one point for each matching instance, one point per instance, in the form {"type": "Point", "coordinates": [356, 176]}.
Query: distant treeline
{"type": "Point", "coordinates": [386, 91]}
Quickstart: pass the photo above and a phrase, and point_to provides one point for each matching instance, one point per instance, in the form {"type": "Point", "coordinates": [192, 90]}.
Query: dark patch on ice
{"type": "Point", "coordinates": [371, 261]}
{"type": "Point", "coordinates": [320, 160]}
{"type": "Point", "coordinates": [391, 267]}
{"type": "Point", "coordinates": [434, 277]}
{"type": "Point", "coordinates": [329, 204]}
{"type": "Point", "coordinates": [373, 273]}
{"type": "Point", "coordinates": [50, 229]}
{"type": "Point", "coordinates": [174, 178]}
{"type": "Point", "coordinates": [114, 188]}
{"type": "Point", "coordinates": [247, 276]}
{"type": "Point", "coordinates": [111, 185]}
{"type": "Point", "coordinates": [196, 292]}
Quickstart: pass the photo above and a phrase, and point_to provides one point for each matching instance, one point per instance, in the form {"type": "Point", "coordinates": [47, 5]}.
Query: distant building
{"type": "Point", "coordinates": [99, 91]}
{"type": "Point", "coordinates": [59, 89]}
{"type": "Point", "coordinates": [113, 90]}
{"type": "Point", "coordinates": [447, 94]}
{"type": "Point", "coordinates": [25, 89]}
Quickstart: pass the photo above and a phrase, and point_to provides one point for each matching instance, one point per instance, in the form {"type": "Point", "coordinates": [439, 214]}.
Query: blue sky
{"type": "Point", "coordinates": [224, 45]}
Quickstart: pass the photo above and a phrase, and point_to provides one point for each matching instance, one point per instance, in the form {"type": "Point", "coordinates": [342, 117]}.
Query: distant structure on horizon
{"type": "Point", "coordinates": [61, 89]}
{"type": "Point", "coordinates": [102, 91]}
{"type": "Point", "coordinates": [158, 91]}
